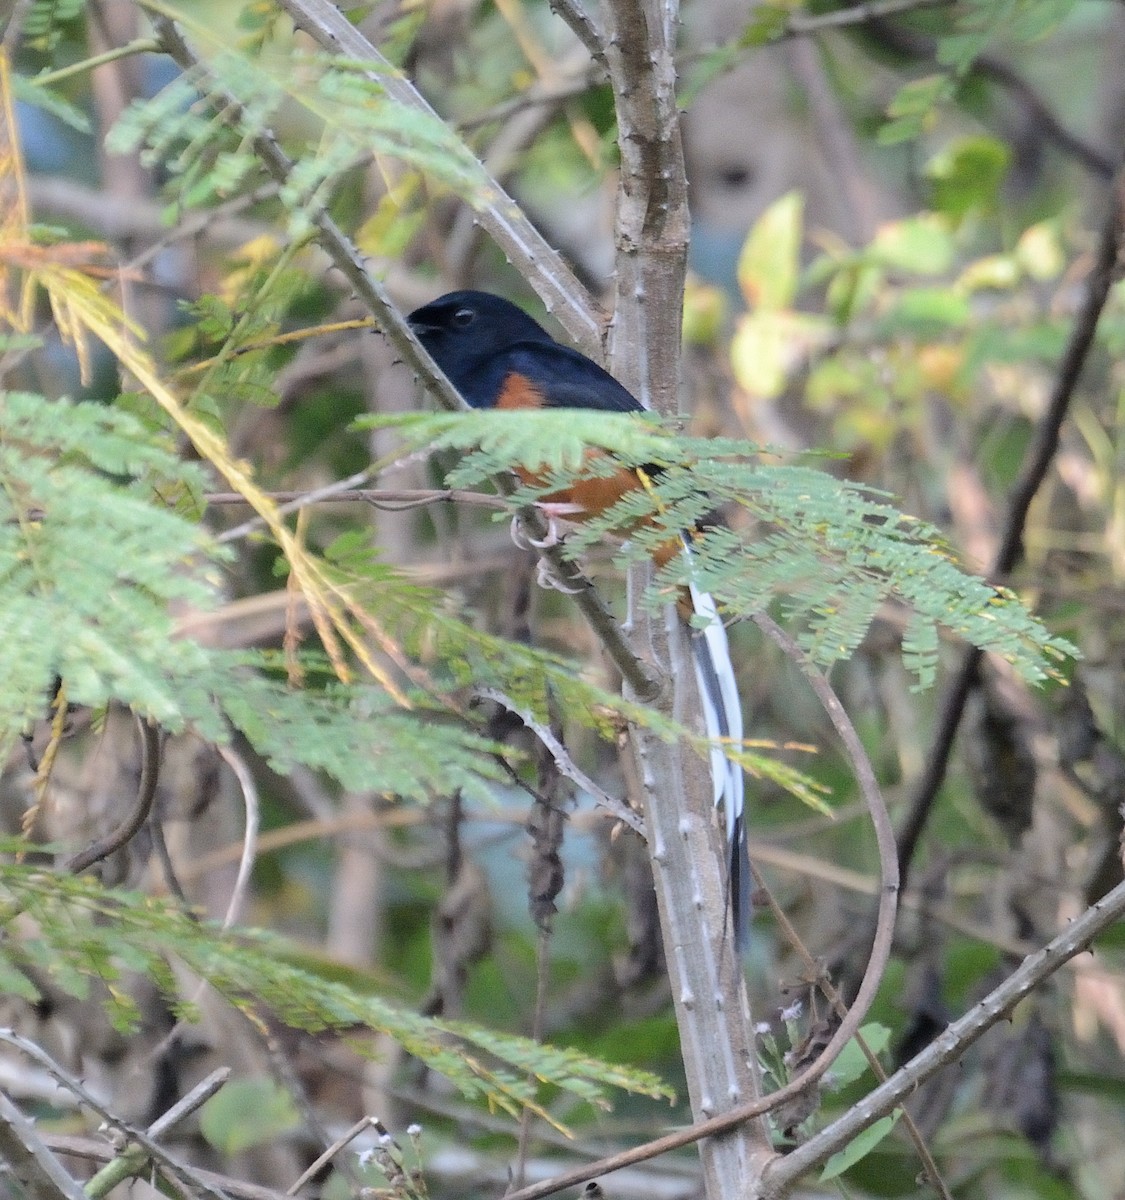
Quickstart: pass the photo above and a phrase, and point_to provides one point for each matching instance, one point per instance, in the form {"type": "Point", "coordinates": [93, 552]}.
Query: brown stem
{"type": "Point", "coordinates": [1037, 462]}
{"type": "Point", "coordinates": [146, 793]}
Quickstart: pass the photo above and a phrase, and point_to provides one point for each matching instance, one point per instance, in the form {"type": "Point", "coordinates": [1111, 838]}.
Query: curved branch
{"type": "Point", "coordinates": [880, 953]}
{"type": "Point", "coordinates": [146, 793]}
{"type": "Point", "coordinates": [249, 853]}
{"type": "Point", "coordinates": [952, 1043]}
{"type": "Point", "coordinates": [889, 882]}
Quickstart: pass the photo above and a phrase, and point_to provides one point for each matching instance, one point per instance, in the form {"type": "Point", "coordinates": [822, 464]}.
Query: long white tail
{"type": "Point", "coordinates": [722, 719]}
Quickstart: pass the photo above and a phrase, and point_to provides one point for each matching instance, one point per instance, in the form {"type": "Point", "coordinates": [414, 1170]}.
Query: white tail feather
{"type": "Point", "coordinates": [722, 720]}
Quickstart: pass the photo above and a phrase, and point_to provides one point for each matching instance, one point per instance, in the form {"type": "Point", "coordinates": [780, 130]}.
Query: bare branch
{"type": "Point", "coordinates": [98, 1151]}
{"type": "Point", "coordinates": [565, 764]}
{"type": "Point", "coordinates": [322, 1160]}
{"type": "Point", "coordinates": [250, 836]}
{"type": "Point", "coordinates": [132, 1161]}
{"type": "Point", "coordinates": [583, 27]}
{"type": "Point", "coordinates": [25, 1158]}
{"type": "Point", "coordinates": [798, 24]}
{"type": "Point", "coordinates": [500, 216]}
{"type": "Point", "coordinates": [1037, 461]}
{"type": "Point", "coordinates": [951, 1044]}
{"type": "Point", "coordinates": [142, 806]}
{"type": "Point", "coordinates": [152, 1149]}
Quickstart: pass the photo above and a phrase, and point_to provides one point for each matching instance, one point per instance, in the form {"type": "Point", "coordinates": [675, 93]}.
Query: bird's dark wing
{"type": "Point", "coordinates": [566, 378]}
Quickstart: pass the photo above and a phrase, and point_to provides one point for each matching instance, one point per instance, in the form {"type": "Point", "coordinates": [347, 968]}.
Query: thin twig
{"type": "Point", "coordinates": [131, 1162]}
{"type": "Point", "coordinates": [536, 96]}
{"type": "Point", "coordinates": [322, 1160]}
{"type": "Point", "coordinates": [566, 765]}
{"type": "Point", "coordinates": [142, 45]}
{"type": "Point", "coordinates": [348, 491]}
{"type": "Point", "coordinates": [1043, 119]}
{"type": "Point", "coordinates": [584, 28]}
{"type": "Point", "coordinates": [146, 793]}
{"type": "Point", "coordinates": [293, 502]}
{"type": "Point", "coordinates": [37, 1172]}
{"type": "Point", "coordinates": [799, 24]}
{"type": "Point", "coordinates": [500, 216]}
{"type": "Point", "coordinates": [167, 867]}
{"type": "Point", "coordinates": [951, 1044]}
{"type": "Point", "coordinates": [154, 1150]}
{"type": "Point", "coordinates": [95, 1151]}
{"type": "Point", "coordinates": [250, 836]}
{"type": "Point", "coordinates": [1037, 462]}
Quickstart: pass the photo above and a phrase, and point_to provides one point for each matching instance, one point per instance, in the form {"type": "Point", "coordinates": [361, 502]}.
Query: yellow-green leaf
{"type": "Point", "coordinates": [770, 263]}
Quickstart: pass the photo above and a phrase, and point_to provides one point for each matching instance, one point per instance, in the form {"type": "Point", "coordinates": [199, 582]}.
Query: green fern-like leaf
{"type": "Point", "coordinates": [354, 118]}
{"type": "Point", "coordinates": [830, 551]}
{"type": "Point", "coordinates": [87, 934]}
{"type": "Point", "coordinates": [46, 22]}
{"type": "Point", "coordinates": [91, 570]}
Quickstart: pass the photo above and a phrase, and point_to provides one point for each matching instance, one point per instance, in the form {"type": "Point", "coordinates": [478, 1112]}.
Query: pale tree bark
{"type": "Point", "coordinates": [685, 842]}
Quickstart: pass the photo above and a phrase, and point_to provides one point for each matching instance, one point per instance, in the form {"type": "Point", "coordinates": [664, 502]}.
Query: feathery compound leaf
{"type": "Point", "coordinates": [360, 737]}
{"type": "Point", "coordinates": [831, 551]}
{"type": "Point", "coordinates": [91, 572]}
{"type": "Point", "coordinates": [355, 119]}
{"type": "Point", "coordinates": [545, 440]}
{"type": "Point", "coordinates": [89, 569]}
{"type": "Point", "coordinates": [85, 933]}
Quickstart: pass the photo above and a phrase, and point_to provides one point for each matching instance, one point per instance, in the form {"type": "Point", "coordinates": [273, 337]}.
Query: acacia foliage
{"type": "Point", "coordinates": [104, 540]}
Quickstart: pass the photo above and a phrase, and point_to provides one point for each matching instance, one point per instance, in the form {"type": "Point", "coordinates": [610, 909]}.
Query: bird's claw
{"type": "Point", "coordinates": [546, 578]}
{"type": "Point", "coordinates": [525, 541]}
{"type": "Point", "coordinates": [552, 512]}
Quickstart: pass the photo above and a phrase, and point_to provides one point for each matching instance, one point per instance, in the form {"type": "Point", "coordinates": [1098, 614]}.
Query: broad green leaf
{"type": "Point", "coordinates": [968, 175]}
{"type": "Point", "coordinates": [859, 1147]}
{"type": "Point", "coordinates": [921, 245]}
{"type": "Point", "coordinates": [927, 310]}
{"type": "Point", "coordinates": [248, 1112]}
{"type": "Point", "coordinates": [769, 346]}
{"type": "Point", "coordinates": [994, 272]}
{"type": "Point", "coordinates": [914, 108]}
{"type": "Point", "coordinates": [852, 1062]}
{"type": "Point", "coordinates": [1039, 253]}
{"type": "Point", "coordinates": [769, 266]}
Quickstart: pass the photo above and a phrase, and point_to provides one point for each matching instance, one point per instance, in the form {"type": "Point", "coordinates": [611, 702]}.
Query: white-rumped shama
{"type": "Point", "coordinates": [497, 356]}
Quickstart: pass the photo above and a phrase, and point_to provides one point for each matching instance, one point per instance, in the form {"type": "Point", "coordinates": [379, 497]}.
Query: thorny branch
{"type": "Point", "coordinates": [349, 262]}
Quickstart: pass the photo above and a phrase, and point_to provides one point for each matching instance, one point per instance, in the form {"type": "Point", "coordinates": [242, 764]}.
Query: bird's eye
{"type": "Point", "coordinates": [463, 317]}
